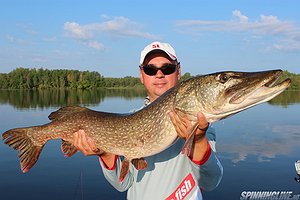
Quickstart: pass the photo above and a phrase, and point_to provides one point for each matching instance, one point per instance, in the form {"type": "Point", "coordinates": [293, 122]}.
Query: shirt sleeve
{"type": "Point", "coordinates": [210, 172]}
{"type": "Point", "coordinates": [112, 175]}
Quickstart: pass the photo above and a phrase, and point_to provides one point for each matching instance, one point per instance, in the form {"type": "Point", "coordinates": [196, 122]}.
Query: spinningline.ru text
{"type": "Point", "coordinates": [269, 195]}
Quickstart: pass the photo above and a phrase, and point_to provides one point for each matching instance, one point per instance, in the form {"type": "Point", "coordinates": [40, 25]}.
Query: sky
{"type": "Point", "coordinates": [108, 36]}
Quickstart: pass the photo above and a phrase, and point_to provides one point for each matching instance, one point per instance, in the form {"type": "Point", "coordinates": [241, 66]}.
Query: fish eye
{"type": "Point", "coordinates": [223, 78]}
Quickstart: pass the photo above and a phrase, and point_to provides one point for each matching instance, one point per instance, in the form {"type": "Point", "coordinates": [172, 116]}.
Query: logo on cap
{"type": "Point", "coordinates": [154, 46]}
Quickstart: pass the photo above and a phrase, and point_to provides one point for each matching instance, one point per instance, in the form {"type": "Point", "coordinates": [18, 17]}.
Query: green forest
{"type": "Point", "coordinates": [32, 78]}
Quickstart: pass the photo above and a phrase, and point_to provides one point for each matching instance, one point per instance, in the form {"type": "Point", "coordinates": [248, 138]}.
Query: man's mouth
{"type": "Point", "coordinates": [159, 84]}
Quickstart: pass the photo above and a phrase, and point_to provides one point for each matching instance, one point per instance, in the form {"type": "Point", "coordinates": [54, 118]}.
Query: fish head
{"type": "Point", "coordinates": [223, 94]}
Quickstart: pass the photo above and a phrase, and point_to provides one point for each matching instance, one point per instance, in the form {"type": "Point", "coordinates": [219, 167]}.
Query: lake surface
{"type": "Point", "coordinates": [257, 147]}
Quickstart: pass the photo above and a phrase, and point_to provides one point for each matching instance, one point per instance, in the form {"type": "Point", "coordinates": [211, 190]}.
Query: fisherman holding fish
{"type": "Point", "coordinates": [155, 164]}
{"type": "Point", "coordinates": [170, 174]}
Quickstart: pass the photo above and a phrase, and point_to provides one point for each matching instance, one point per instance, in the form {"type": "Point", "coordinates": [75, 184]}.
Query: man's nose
{"type": "Point", "coordinates": [159, 74]}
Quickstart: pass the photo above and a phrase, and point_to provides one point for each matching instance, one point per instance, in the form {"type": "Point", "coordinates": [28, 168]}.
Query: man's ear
{"type": "Point", "coordinates": [141, 77]}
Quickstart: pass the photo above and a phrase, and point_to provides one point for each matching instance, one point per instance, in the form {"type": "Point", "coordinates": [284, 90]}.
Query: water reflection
{"type": "Point", "coordinates": [264, 131]}
{"type": "Point", "coordinates": [281, 141]}
{"type": "Point", "coordinates": [24, 99]}
{"type": "Point", "coordinates": [286, 98]}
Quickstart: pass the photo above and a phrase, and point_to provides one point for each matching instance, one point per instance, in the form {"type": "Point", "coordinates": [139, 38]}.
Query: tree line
{"type": "Point", "coordinates": [32, 78]}
{"type": "Point", "coordinates": [294, 77]}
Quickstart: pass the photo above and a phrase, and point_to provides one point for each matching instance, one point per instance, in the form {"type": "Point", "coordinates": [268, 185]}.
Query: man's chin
{"type": "Point", "coordinates": [160, 90]}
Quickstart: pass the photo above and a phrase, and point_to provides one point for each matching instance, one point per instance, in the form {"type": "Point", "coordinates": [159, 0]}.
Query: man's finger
{"type": "Point", "coordinates": [177, 124]}
{"type": "Point", "coordinates": [92, 145]}
{"type": "Point", "coordinates": [75, 139]}
{"type": "Point", "coordinates": [202, 122]}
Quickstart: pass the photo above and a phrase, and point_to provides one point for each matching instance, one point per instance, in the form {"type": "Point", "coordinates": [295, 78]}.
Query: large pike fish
{"type": "Point", "coordinates": [150, 130]}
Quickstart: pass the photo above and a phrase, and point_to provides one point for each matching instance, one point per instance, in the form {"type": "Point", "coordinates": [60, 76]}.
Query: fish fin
{"type": "Point", "coordinates": [189, 142]}
{"type": "Point", "coordinates": [68, 148]}
{"type": "Point", "coordinates": [139, 163]}
{"type": "Point", "coordinates": [65, 111]}
{"type": "Point", "coordinates": [29, 150]}
{"type": "Point", "coordinates": [124, 169]}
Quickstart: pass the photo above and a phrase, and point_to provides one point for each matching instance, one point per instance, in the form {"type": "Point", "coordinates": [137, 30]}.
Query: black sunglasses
{"type": "Point", "coordinates": [166, 69]}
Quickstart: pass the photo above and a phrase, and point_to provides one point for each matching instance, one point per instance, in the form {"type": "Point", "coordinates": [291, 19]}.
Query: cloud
{"type": "Point", "coordinates": [94, 44]}
{"type": "Point", "coordinates": [13, 39]}
{"type": "Point", "coordinates": [238, 14]}
{"type": "Point", "coordinates": [28, 28]}
{"type": "Point", "coordinates": [10, 38]}
{"type": "Point", "coordinates": [89, 34]}
{"type": "Point", "coordinates": [266, 26]}
{"type": "Point", "coordinates": [73, 29]}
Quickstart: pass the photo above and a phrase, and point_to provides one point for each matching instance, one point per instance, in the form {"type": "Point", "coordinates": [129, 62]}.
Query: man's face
{"type": "Point", "coordinates": [159, 83]}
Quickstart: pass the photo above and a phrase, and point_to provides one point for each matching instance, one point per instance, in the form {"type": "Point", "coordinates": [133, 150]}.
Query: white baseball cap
{"type": "Point", "coordinates": [165, 47]}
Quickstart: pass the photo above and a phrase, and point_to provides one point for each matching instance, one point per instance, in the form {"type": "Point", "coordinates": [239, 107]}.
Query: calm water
{"type": "Point", "coordinates": [257, 147]}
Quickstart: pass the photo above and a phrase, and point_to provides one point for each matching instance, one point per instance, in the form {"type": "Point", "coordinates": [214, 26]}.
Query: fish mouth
{"type": "Point", "coordinates": [262, 87]}
{"type": "Point", "coordinates": [273, 88]}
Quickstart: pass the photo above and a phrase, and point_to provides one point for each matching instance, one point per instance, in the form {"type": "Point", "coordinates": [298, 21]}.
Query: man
{"type": "Point", "coordinates": [170, 174]}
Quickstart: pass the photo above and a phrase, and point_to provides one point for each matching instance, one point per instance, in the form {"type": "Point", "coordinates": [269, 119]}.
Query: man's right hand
{"type": "Point", "coordinates": [85, 144]}
{"type": "Point", "coordinates": [88, 147]}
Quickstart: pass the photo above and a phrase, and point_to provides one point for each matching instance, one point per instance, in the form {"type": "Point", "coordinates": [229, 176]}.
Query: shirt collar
{"type": "Point", "coordinates": [147, 101]}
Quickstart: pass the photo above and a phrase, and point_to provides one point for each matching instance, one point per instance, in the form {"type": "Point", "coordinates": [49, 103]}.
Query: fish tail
{"type": "Point", "coordinates": [29, 150]}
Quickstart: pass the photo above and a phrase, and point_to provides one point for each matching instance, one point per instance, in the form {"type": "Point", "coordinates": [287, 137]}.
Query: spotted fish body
{"type": "Point", "coordinates": [149, 130]}
{"type": "Point", "coordinates": [135, 140]}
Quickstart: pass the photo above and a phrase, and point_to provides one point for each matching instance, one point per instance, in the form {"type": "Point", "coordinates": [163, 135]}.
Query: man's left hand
{"type": "Point", "coordinates": [184, 126]}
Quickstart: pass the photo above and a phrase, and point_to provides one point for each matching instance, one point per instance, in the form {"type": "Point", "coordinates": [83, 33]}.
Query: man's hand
{"type": "Point", "coordinates": [184, 127]}
{"type": "Point", "coordinates": [88, 147]}
{"type": "Point", "coordinates": [85, 144]}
